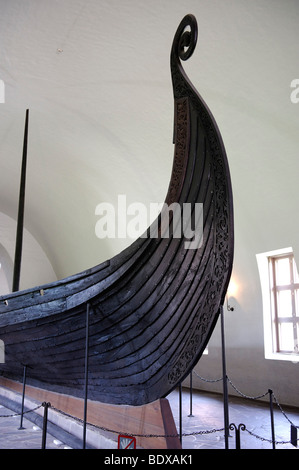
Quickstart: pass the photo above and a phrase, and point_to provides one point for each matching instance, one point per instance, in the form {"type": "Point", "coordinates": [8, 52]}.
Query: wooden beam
{"type": "Point", "coordinates": [20, 222]}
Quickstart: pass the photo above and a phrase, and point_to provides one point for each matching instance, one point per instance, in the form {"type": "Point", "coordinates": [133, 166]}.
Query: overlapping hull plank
{"type": "Point", "coordinates": [153, 307]}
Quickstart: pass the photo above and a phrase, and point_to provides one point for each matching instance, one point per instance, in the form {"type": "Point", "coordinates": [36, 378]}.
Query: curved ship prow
{"type": "Point", "coordinates": [152, 307]}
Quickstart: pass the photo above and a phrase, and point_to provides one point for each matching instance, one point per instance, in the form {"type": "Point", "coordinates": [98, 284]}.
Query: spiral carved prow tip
{"type": "Point", "coordinates": [185, 39]}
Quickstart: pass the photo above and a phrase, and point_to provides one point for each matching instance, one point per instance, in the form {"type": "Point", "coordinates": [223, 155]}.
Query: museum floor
{"type": "Point", "coordinates": [208, 415]}
{"type": "Point", "coordinates": [201, 431]}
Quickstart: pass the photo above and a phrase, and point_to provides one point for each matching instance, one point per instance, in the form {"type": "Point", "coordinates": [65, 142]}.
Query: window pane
{"type": "Point", "coordinates": [284, 303]}
{"type": "Point", "coordinates": [297, 301]}
{"type": "Point", "coordinates": [286, 337]}
{"type": "Point", "coordinates": [283, 287]}
{"type": "Point", "coordinates": [282, 267]}
{"type": "Point", "coordinates": [296, 277]}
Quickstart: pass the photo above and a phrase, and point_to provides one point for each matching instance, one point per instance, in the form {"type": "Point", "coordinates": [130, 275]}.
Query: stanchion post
{"type": "Point", "coordinates": [225, 392]}
{"type": "Point", "coordinates": [86, 374]}
{"type": "Point", "coordinates": [180, 410]}
{"type": "Point", "coordinates": [23, 397]}
{"type": "Point", "coordinates": [191, 392]}
{"type": "Point", "coordinates": [45, 423]}
{"type": "Point", "coordinates": [237, 430]}
{"type": "Point", "coordinates": [272, 417]}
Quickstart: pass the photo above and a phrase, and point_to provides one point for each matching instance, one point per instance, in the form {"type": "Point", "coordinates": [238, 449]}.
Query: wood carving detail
{"type": "Point", "coordinates": [181, 150]}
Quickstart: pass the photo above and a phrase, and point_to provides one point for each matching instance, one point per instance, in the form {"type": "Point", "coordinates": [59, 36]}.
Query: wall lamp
{"type": "Point", "coordinates": [231, 292]}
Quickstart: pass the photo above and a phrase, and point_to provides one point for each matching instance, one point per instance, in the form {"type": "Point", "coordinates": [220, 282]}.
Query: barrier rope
{"type": "Point", "coordinates": [264, 438]}
{"type": "Point", "coordinates": [207, 380]}
{"type": "Point", "coordinates": [196, 433]}
{"type": "Point", "coordinates": [19, 414]}
{"type": "Point", "coordinates": [204, 431]}
{"type": "Point", "coordinates": [102, 428]}
{"type": "Point", "coordinates": [255, 398]}
{"type": "Point", "coordinates": [246, 396]}
{"type": "Point", "coordinates": [238, 391]}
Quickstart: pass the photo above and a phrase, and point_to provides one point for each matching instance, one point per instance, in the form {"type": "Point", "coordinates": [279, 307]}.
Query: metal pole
{"type": "Point", "coordinates": [180, 410]}
{"type": "Point", "coordinates": [20, 223]}
{"type": "Point", "coordinates": [191, 391]}
{"type": "Point", "coordinates": [225, 392]}
{"type": "Point", "coordinates": [272, 418]}
{"type": "Point", "coordinates": [237, 430]}
{"type": "Point", "coordinates": [45, 423]}
{"type": "Point", "coordinates": [23, 397]}
{"type": "Point", "coordinates": [86, 374]}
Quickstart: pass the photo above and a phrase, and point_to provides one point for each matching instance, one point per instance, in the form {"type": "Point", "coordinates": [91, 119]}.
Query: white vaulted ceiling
{"type": "Point", "coordinates": [95, 76]}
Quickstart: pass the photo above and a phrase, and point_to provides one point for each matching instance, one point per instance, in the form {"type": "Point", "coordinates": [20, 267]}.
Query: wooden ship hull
{"type": "Point", "coordinates": [150, 310]}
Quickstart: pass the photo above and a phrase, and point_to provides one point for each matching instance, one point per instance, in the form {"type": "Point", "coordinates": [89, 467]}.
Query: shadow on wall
{"type": "Point", "coordinates": [6, 271]}
{"type": "Point", "coordinates": [36, 268]}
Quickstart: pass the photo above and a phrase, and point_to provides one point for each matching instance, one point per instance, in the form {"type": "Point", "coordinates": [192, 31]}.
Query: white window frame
{"type": "Point", "coordinates": [269, 334]}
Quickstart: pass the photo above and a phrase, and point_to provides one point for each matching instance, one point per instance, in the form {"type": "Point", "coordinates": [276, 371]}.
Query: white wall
{"type": "Point", "coordinates": [36, 269]}
{"type": "Point", "coordinates": [247, 367]}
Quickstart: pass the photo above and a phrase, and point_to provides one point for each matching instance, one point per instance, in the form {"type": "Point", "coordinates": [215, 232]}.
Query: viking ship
{"type": "Point", "coordinates": [150, 310]}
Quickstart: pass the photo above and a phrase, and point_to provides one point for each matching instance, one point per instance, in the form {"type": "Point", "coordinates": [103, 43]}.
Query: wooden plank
{"type": "Point", "coordinates": [151, 419]}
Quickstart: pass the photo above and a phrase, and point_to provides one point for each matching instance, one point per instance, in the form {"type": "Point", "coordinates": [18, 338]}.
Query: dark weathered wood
{"type": "Point", "coordinates": [148, 421]}
{"type": "Point", "coordinates": [21, 209]}
{"type": "Point", "coordinates": [153, 307]}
